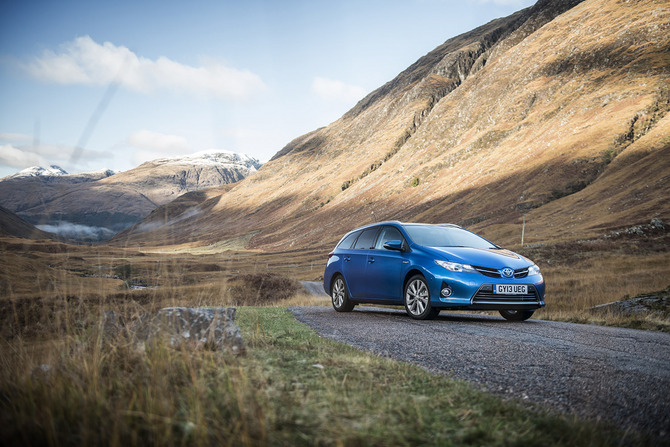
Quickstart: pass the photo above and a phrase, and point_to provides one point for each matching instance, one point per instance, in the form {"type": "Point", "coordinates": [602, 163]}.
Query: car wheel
{"type": "Point", "coordinates": [417, 299]}
{"type": "Point", "coordinates": [340, 295]}
{"type": "Point", "coordinates": [516, 315]}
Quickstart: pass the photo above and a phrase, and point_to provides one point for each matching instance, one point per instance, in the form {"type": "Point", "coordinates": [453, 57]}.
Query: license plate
{"type": "Point", "coordinates": [510, 289]}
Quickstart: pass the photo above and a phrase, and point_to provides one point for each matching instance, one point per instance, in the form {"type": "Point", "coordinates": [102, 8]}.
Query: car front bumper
{"type": "Point", "coordinates": [473, 291]}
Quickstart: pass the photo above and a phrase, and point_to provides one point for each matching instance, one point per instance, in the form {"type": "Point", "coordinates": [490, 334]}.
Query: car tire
{"type": "Point", "coordinates": [417, 299]}
{"type": "Point", "coordinates": [340, 295]}
{"type": "Point", "coordinates": [516, 315]}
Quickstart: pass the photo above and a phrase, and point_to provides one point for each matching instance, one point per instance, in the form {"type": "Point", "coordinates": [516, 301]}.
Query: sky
{"type": "Point", "coordinates": [89, 85]}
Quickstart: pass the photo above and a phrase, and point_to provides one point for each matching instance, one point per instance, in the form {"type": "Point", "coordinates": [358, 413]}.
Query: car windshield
{"type": "Point", "coordinates": [439, 236]}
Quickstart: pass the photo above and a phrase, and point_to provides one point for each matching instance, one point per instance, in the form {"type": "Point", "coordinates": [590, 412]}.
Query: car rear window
{"type": "Point", "coordinates": [348, 241]}
{"type": "Point", "coordinates": [367, 239]}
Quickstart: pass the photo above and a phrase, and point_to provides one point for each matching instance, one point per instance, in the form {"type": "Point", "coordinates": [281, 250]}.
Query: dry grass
{"type": "Point", "coordinates": [47, 288]}
{"type": "Point", "coordinates": [292, 388]}
{"type": "Point", "coordinates": [583, 274]}
{"type": "Point", "coordinates": [605, 279]}
{"type": "Point", "coordinates": [303, 299]}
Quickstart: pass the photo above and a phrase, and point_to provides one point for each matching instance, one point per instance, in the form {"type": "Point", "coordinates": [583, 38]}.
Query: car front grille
{"type": "Point", "coordinates": [494, 273]}
{"type": "Point", "coordinates": [485, 294]}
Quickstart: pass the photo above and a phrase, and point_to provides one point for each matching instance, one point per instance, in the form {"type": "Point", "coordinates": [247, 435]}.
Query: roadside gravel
{"type": "Point", "coordinates": [315, 288]}
{"type": "Point", "coordinates": [621, 376]}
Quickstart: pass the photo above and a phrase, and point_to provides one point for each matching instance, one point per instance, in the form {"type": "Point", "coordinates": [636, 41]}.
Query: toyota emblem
{"type": "Point", "coordinates": [507, 272]}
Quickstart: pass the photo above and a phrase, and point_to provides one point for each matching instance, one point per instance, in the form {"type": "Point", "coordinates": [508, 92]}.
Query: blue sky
{"type": "Point", "coordinates": [89, 84]}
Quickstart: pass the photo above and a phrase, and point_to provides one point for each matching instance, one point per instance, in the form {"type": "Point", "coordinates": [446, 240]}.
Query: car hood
{"type": "Point", "coordinates": [483, 257]}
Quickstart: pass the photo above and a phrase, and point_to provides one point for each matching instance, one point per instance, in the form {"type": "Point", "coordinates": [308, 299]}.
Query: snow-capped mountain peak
{"type": "Point", "coordinates": [56, 173]}
{"type": "Point", "coordinates": [39, 171]}
{"type": "Point", "coordinates": [212, 158]}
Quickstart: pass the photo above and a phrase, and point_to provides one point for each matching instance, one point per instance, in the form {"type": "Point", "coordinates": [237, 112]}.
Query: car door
{"type": "Point", "coordinates": [355, 265]}
{"type": "Point", "coordinates": [384, 268]}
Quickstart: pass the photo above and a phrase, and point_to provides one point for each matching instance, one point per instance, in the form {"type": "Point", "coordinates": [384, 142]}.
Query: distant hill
{"type": "Point", "coordinates": [557, 112]}
{"type": "Point", "coordinates": [94, 206]}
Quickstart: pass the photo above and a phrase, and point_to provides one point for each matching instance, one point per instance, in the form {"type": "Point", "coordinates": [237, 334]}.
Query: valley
{"type": "Point", "coordinates": [94, 206]}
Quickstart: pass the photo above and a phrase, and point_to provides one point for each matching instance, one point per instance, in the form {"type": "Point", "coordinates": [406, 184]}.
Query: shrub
{"type": "Point", "coordinates": [257, 289]}
{"type": "Point", "coordinates": [124, 271]}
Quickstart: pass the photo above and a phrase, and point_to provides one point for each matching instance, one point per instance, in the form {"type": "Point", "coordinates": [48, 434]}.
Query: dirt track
{"type": "Point", "coordinates": [616, 375]}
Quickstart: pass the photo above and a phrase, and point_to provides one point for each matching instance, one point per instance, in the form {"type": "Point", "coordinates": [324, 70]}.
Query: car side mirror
{"type": "Point", "coordinates": [393, 245]}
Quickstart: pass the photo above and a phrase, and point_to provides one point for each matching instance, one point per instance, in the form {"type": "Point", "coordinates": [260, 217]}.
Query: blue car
{"type": "Point", "coordinates": [429, 268]}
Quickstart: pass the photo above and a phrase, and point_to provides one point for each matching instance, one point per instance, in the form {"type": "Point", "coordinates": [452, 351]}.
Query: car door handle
{"type": "Point", "coordinates": [347, 259]}
{"type": "Point", "coordinates": [371, 260]}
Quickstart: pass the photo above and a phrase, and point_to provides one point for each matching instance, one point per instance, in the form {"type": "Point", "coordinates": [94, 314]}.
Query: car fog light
{"type": "Point", "coordinates": [446, 292]}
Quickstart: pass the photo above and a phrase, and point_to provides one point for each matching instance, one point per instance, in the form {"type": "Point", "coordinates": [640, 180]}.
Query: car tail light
{"type": "Point", "coordinates": [330, 255]}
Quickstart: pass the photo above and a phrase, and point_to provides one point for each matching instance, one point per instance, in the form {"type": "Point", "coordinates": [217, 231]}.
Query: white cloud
{"type": "Point", "coordinates": [19, 157]}
{"type": "Point", "coordinates": [84, 61]}
{"type": "Point", "coordinates": [18, 151]}
{"type": "Point", "coordinates": [78, 231]}
{"type": "Point", "coordinates": [333, 90]}
{"type": "Point", "coordinates": [14, 137]}
{"type": "Point", "coordinates": [154, 145]}
{"type": "Point", "coordinates": [158, 142]}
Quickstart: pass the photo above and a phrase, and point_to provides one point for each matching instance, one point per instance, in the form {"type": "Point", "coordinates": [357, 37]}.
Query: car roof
{"type": "Point", "coordinates": [402, 224]}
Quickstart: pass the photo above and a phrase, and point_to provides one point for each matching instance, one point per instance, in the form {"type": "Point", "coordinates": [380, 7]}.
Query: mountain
{"type": "Point", "coordinates": [557, 113]}
{"type": "Point", "coordinates": [95, 206]}
{"type": "Point", "coordinates": [12, 225]}
{"type": "Point", "coordinates": [165, 179]}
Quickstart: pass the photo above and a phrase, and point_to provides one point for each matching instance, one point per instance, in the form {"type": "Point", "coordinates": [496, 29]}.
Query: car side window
{"type": "Point", "coordinates": [348, 241]}
{"type": "Point", "coordinates": [388, 234]}
{"type": "Point", "coordinates": [367, 239]}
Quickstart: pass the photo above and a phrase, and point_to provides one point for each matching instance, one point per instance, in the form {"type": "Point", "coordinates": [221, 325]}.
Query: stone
{"type": "Point", "coordinates": [198, 328]}
{"type": "Point", "coordinates": [657, 303]}
{"type": "Point", "coordinates": [192, 328]}
{"type": "Point", "coordinates": [657, 224]}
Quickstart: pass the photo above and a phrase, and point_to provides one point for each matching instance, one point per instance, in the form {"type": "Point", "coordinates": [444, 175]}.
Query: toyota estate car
{"type": "Point", "coordinates": [429, 268]}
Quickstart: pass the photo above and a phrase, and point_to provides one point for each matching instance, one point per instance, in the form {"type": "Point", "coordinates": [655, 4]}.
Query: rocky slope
{"type": "Point", "coordinates": [558, 112]}
{"type": "Point", "coordinates": [94, 206]}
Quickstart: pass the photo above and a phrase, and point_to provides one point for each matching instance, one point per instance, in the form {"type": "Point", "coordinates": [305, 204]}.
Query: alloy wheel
{"type": "Point", "coordinates": [417, 297]}
{"type": "Point", "coordinates": [338, 293]}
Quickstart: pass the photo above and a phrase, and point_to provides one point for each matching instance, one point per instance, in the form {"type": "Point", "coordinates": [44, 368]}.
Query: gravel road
{"type": "Point", "coordinates": [611, 374]}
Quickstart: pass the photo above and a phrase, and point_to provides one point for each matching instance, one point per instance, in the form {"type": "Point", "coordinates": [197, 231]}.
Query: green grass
{"type": "Point", "coordinates": [292, 387]}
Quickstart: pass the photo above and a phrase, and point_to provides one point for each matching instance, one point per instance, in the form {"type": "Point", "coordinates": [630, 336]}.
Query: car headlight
{"type": "Point", "coordinates": [455, 266]}
{"type": "Point", "coordinates": [533, 270]}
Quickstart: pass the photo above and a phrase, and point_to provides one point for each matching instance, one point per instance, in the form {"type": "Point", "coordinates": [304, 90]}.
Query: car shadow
{"type": "Point", "coordinates": [443, 316]}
